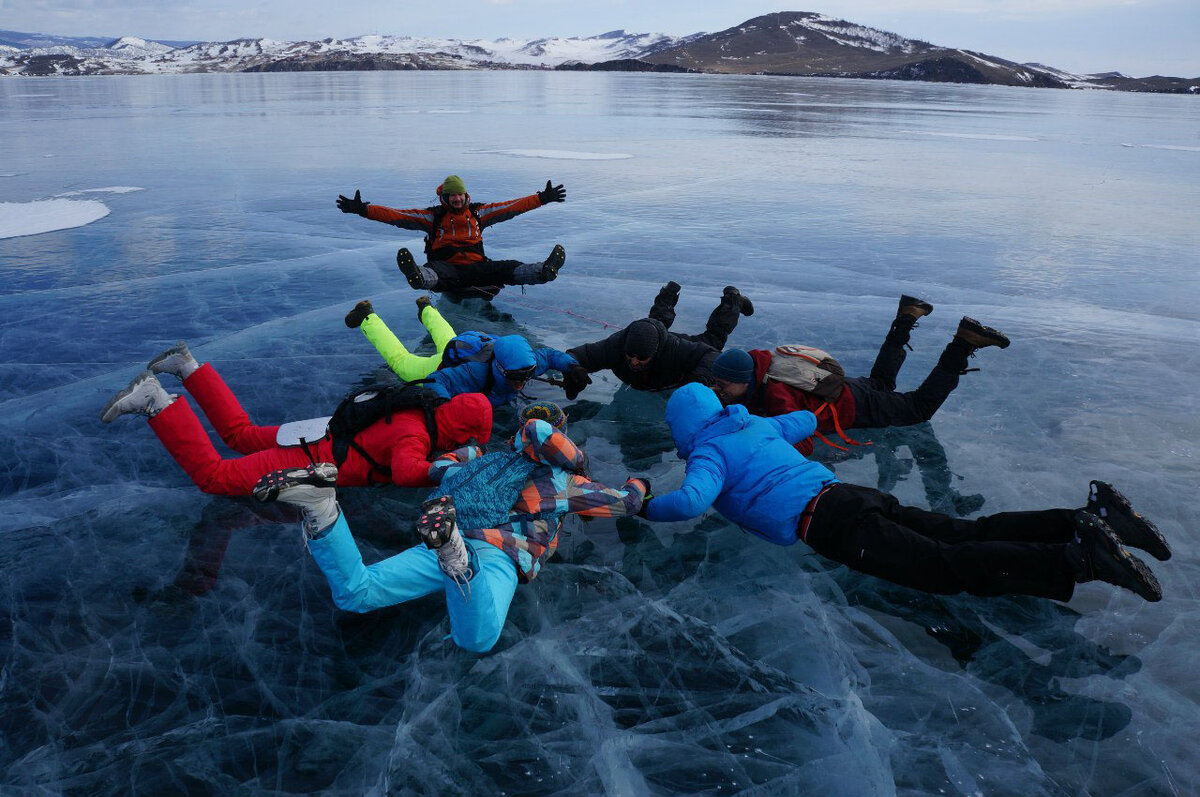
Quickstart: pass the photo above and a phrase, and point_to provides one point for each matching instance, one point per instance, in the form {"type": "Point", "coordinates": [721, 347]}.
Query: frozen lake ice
{"type": "Point", "coordinates": [160, 641]}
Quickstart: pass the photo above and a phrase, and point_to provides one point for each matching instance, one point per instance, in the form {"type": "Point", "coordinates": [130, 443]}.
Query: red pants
{"type": "Point", "coordinates": [189, 444]}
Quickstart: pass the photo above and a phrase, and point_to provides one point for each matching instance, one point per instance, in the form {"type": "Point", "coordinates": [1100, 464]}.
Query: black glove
{"type": "Point", "coordinates": [355, 205]}
{"type": "Point", "coordinates": [552, 193]}
{"type": "Point", "coordinates": [575, 380]}
{"type": "Point", "coordinates": [645, 505]}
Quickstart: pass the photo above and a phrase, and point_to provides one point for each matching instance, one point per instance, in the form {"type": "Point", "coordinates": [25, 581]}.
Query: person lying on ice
{"type": "Point", "coordinates": [490, 525]}
{"type": "Point", "coordinates": [454, 239]}
{"type": "Point", "coordinates": [768, 383]}
{"type": "Point", "coordinates": [404, 364]}
{"type": "Point", "coordinates": [747, 469]}
{"type": "Point", "coordinates": [646, 356]}
{"type": "Point", "coordinates": [503, 376]}
{"type": "Point", "coordinates": [396, 449]}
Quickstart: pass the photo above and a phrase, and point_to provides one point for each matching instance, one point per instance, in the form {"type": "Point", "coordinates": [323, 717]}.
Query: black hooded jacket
{"type": "Point", "coordinates": [676, 361]}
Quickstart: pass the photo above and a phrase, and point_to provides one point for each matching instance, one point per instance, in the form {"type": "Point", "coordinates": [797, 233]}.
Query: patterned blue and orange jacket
{"type": "Point", "coordinates": [559, 486]}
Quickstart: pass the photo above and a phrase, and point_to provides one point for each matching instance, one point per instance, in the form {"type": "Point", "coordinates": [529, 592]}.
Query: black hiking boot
{"type": "Point", "coordinates": [550, 268]}
{"type": "Point", "coordinates": [913, 307]}
{"type": "Point", "coordinates": [355, 317]}
{"type": "Point", "coordinates": [408, 267]}
{"type": "Point", "coordinates": [668, 294]}
{"type": "Point", "coordinates": [1097, 555]}
{"type": "Point", "coordinates": [1132, 529]}
{"type": "Point", "coordinates": [422, 303]}
{"type": "Point", "coordinates": [734, 297]}
{"type": "Point", "coordinates": [977, 336]}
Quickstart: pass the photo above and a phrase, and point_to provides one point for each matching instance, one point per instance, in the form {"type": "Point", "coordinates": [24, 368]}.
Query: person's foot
{"type": "Point", "coordinates": [177, 361]}
{"type": "Point", "coordinates": [1097, 555]}
{"type": "Point", "coordinates": [733, 296]}
{"type": "Point", "coordinates": [438, 530]}
{"type": "Point", "coordinates": [668, 294]}
{"type": "Point", "coordinates": [558, 256]}
{"type": "Point", "coordinates": [143, 396]}
{"type": "Point", "coordinates": [977, 336]}
{"type": "Point", "coordinates": [914, 307]}
{"type": "Point", "coordinates": [312, 489]}
{"type": "Point", "coordinates": [1132, 529]}
{"type": "Point", "coordinates": [408, 267]}
{"type": "Point", "coordinates": [355, 317]}
{"type": "Point", "coordinates": [422, 303]}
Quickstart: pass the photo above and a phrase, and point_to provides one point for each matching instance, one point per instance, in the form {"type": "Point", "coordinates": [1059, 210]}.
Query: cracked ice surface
{"type": "Point", "coordinates": [162, 641]}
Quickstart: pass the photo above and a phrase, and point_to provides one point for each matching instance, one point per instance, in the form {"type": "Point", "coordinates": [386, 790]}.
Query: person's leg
{"type": "Point", "coordinates": [868, 531]}
{"type": "Point", "coordinates": [893, 352]}
{"type": "Point", "coordinates": [438, 327]}
{"type": "Point", "coordinates": [404, 364]}
{"type": "Point", "coordinates": [226, 415]}
{"type": "Point", "coordinates": [513, 272]}
{"type": "Point", "coordinates": [723, 319]}
{"type": "Point", "coordinates": [478, 609]}
{"type": "Point", "coordinates": [180, 432]}
{"type": "Point", "coordinates": [663, 309]}
{"type": "Point", "coordinates": [356, 587]}
{"type": "Point", "coordinates": [423, 278]}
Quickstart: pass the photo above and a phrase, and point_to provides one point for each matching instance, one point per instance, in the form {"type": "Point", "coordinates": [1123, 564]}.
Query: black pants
{"type": "Point", "coordinates": [876, 401]}
{"type": "Point", "coordinates": [721, 321]}
{"type": "Point", "coordinates": [485, 273]}
{"type": "Point", "coordinates": [1009, 553]}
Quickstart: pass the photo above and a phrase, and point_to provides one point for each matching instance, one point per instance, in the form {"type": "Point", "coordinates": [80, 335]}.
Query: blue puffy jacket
{"type": "Point", "coordinates": [510, 352]}
{"type": "Point", "coordinates": [743, 466]}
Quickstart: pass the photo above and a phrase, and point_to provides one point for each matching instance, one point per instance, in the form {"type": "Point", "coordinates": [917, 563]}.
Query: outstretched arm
{"type": "Point", "coordinates": [701, 486]}
{"type": "Point", "coordinates": [795, 426]}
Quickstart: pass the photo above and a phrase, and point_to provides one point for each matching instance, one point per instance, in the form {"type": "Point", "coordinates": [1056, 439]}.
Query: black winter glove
{"type": "Point", "coordinates": [552, 193]}
{"type": "Point", "coordinates": [575, 380]}
{"type": "Point", "coordinates": [355, 205]}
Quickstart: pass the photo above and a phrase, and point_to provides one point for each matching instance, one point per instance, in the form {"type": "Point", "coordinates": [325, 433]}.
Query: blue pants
{"type": "Point", "coordinates": [476, 618]}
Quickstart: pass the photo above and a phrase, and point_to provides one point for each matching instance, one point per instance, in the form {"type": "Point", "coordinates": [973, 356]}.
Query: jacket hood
{"type": "Point", "coordinates": [542, 443]}
{"type": "Point", "coordinates": [465, 416]}
{"type": "Point", "coordinates": [694, 413]}
{"type": "Point", "coordinates": [510, 353]}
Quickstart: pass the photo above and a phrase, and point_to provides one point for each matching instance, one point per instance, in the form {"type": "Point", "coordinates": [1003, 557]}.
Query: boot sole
{"type": "Point", "coordinates": [1137, 575]}
{"type": "Point", "coordinates": [323, 474]}
{"type": "Point", "coordinates": [408, 267]}
{"type": "Point", "coordinates": [1107, 503]}
{"type": "Point", "coordinates": [111, 412]}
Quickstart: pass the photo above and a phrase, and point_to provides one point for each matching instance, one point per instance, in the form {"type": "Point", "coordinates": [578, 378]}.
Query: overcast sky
{"type": "Point", "coordinates": [1137, 37]}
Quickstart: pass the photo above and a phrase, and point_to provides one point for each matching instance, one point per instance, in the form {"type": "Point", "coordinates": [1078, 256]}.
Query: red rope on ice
{"type": "Point", "coordinates": [561, 310]}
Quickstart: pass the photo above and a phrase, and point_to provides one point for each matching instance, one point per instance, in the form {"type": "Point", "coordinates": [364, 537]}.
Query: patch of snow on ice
{"type": "Point", "coordinates": [48, 215]}
{"type": "Point", "coordinates": [978, 136]}
{"type": "Point", "coordinates": [112, 189]}
{"type": "Point", "coordinates": [1176, 147]}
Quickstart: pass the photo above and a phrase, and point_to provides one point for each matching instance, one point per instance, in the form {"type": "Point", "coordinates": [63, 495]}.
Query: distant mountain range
{"type": "Point", "coordinates": [786, 43]}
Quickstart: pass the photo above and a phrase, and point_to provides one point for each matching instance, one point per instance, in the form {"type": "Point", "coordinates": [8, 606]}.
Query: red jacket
{"type": "Point", "coordinates": [457, 228]}
{"type": "Point", "coordinates": [775, 398]}
{"type": "Point", "coordinates": [402, 443]}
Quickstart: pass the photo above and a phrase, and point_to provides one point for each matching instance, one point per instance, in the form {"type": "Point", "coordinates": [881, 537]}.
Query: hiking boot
{"type": "Point", "coordinates": [668, 294]}
{"type": "Point", "coordinates": [355, 317]}
{"type": "Point", "coordinates": [143, 396]}
{"type": "Point", "coordinates": [977, 336]}
{"type": "Point", "coordinates": [1132, 529]}
{"type": "Point", "coordinates": [734, 297]}
{"type": "Point", "coordinates": [913, 307]}
{"type": "Point", "coordinates": [176, 361]}
{"type": "Point", "coordinates": [408, 267]}
{"type": "Point", "coordinates": [439, 531]}
{"type": "Point", "coordinates": [311, 489]}
{"type": "Point", "coordinates": [422, 303]}
{"type": "Point", "coordinates": [550, 268]}
{"type": "Point", "coordinates": [1097, 555]}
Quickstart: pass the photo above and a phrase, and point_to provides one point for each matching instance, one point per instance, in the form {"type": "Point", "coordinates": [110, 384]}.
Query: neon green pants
{"type": "Point", "coordinates": [405, 364]}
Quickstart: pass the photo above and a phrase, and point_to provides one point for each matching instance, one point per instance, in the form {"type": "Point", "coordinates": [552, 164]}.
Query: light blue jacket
{"type": "Point", "coordinates": [742, 465]}
{"type": "Point", "coordinates": [510, 352]}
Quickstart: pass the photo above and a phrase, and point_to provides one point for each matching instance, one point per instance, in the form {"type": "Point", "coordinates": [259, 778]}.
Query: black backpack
{"type": "Point", "coordinates": [447, 252]}
{"type": "Point", "coordinates": [364, 407]}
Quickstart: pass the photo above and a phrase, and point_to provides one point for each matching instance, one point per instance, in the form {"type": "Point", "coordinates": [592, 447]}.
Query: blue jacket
{"type": "Point", "coordinates": [509, 352]}
{"type": "Point", "coordinates": [742, 465]}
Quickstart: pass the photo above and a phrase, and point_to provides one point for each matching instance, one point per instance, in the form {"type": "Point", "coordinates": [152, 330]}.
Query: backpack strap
{"type": "Point", "coordinates": [383, 470]}
{"type": "Point", "coordinates": [837, 426]}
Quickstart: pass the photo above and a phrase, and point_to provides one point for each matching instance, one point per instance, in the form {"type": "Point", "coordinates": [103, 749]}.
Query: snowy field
{"type": "Point", "coordinates": [160, 641]}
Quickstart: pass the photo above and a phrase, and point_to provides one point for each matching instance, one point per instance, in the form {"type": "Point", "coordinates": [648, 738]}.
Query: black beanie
{"type": "Point", "coordinates": [641, 339]}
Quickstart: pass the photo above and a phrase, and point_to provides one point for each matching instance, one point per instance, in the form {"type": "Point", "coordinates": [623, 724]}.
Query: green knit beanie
{"type": "Point", "coordinates": [453, 185]}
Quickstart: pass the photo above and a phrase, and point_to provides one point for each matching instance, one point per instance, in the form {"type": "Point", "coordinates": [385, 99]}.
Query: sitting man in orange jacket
{"type": "Point", "coordinates": [454, 239]}
{"type": "Point", "coordinates": [399, 448]}
{"type": "Point", "coordinates": [864, 402]}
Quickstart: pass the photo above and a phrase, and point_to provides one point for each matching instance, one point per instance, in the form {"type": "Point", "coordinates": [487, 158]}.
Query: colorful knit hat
{"type": "Point", "coordinates": [546, 411]}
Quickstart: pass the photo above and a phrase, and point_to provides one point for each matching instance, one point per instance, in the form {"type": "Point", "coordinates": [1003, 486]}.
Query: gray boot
{"type": "Point", "coordinates": [311, 489]}
{"type": "Point", "coordinates": [177, 361]}
{"type": "Point", "coordinates": [143, 396]}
